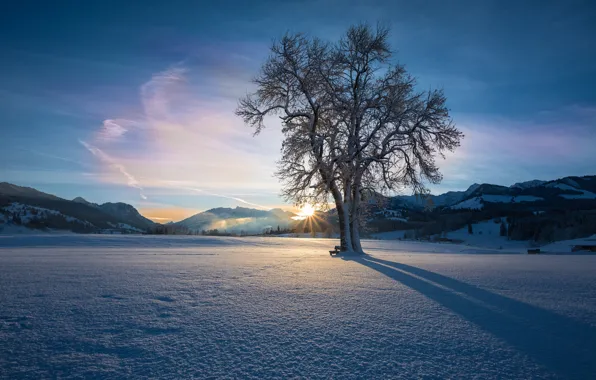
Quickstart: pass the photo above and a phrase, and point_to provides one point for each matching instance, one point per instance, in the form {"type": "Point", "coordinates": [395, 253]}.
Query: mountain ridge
{"type": "Point", "coordinates": [571, 187]}
{"type": "Point", "coordinates": [36, 209]}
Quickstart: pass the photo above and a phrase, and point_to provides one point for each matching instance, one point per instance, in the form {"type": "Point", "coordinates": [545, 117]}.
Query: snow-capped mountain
{"type": "Point", "coordinates": [238, 219]}
{"type": "Point", "coordinates": [28, 207]}
{"type": "Point", "coordinates": [478, 196]}
{"type": "Point", "coordinates": [528, 184]}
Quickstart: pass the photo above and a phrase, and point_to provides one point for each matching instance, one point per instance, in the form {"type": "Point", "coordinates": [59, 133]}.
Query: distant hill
{"type": "Point", "coordinates": [544, 193]}
{"type": "Point", "coordinates": [543, 211]}
{"type": "Point", "coordinates": [35, 209]}
{"type": "Point", "coordinates": [84, 201]}
{"type": "Point", "coordinates": [239, 219]}
{"type": "Point", "coordinates": [127, 214]}
{"type": "Point", "coordinates": [10, 190]}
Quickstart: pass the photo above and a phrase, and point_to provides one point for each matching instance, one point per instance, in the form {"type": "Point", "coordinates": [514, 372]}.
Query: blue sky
{"type": "Point", "coordinates": [79, 82]}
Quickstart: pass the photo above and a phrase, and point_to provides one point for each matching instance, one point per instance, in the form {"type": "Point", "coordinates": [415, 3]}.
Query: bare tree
{"type": "Point", "coordinates": [352, 121]}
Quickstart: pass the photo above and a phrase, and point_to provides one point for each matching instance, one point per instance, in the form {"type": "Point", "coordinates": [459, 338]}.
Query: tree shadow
{"type": "Point", "coordinates": [558, 343]}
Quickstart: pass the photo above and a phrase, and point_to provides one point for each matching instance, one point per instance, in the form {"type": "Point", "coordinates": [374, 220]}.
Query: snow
{"type": "Point", "coordinates": [125, 226]}
{"type": "Point", "coordinates": [477, 202]}
{"type": "Point", "coordinates": [26, 214]}
{"type": "Point", "coordinates": [471, 204]}
{"type": "Point", "coordinates": [528, 184]}
{"type": "Point", "coordinates": [572, 182]}
{"type": "Point", "coordinates": [100, 306]}
{"type": "Point", "coordinates": [564, 246]}
{"type": "Point", "coordinates": [584, 193]}
{"type": "Point", "coordinates": [485, 239]}
{"type": "Point", "coordinates": [471, 189]}
{"type": "Point", "coordinates": [510, 199]}
{"type": "Point", "coordinates": [389, 213]}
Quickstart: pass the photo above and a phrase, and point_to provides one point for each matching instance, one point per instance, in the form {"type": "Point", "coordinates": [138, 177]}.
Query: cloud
{"type": "Point", "coordinates": [157, 93]}
{"type": "Point", "coordinates": [504, 150]}
{"type": "Point", "coordinates": [186, 135]}
{"type": "Point", "coordinates": [230, 197]}
{"type": "Point", "coordinates": [113, 129]}
{"type": "Point", "coordinates": [131, 180]}
{"type": "Point", "coordinates": [48, 155]}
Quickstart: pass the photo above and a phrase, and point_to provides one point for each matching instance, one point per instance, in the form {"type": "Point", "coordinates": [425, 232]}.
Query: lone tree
{"type": "Point", "coordinates": [352, 121]}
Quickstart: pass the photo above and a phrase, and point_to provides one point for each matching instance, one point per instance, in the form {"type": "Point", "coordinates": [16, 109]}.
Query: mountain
{"type": "Point", "coordinates": [126, 213]}
{"type": "Point", "coordinates": [445, 199]}
{"type": "Point", "coordinates": [10, 190]}
{"type": "Point", "coordinates": [35, 209]}
{"type": "Point", "coordinates": [85, 202]}
{"type": "Point", "coordinates": [239, 219]}
{"type": "Point", "coordinates": [528, 184]}
{"type": "Point", "coordinates": [535, 192]}
{"type": "Point", "coordinates": [538, 211]}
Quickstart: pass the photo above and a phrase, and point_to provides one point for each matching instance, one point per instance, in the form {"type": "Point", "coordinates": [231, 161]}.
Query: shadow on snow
{"type": "Point", "coordinates": [556, 342]}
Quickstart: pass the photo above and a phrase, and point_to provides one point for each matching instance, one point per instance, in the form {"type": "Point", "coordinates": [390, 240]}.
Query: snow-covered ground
{"type": "Point", "coordinates": [84, 306]}
{"type": "Point", "coordinates": [486, 238]}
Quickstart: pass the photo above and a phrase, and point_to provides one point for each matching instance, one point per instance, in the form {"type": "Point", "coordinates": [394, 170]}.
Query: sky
{"type": "Point", "coordinates": [134, 101]}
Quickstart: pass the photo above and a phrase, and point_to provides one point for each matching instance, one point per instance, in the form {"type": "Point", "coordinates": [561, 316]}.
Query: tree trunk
{"type": "Point", "coordinates": [344, 239]}
{"type": "Point", "coordinates": [346, 230]}
{"type": "Point", "coordinates": [355, 233]}
{"type": "Point", "coordinates": [355, 220]}
{"type": "Point", "coordinates": [344, 219]}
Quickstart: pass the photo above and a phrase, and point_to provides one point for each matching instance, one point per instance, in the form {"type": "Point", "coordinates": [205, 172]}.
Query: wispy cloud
{"type": "Point", "coordinates": [49, 155]}
{"type": "Point", "coordinates": [230, 197]}
{"type": "Point", "coordinates": [506, 150]}
{"type": "Point", "coordinates": [156, 94]}
{"type": "Point", "coordinates": [131, 180]}
{"type": "Point", "coordinates": [113, 129]}
{"type": "Point", "coordinates": [186, 136]}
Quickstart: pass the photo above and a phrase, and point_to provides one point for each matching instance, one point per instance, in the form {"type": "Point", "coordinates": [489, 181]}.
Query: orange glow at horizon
{"type": "Point", "coordinates": [165, 215]}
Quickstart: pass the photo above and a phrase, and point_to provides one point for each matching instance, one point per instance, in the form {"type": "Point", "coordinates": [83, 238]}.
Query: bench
{"type": "Point", "coordinates": [335, 251]}
{"type": "Point", "coordinates": [533, 251]}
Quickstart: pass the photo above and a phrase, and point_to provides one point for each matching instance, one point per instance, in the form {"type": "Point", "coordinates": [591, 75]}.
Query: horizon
{"type": "Point", "coordinates": [135, 103]}
{"type": "Point", "coordinates": [187, 213]}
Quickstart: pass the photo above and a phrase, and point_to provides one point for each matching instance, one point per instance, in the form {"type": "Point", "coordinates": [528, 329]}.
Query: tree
{"type": "Point", "coordinates": [503, 229]}
{"type": "Point", "coordinates": [352, 122]}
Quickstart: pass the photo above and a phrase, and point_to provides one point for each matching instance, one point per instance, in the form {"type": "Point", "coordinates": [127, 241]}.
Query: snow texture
{"type": "Point", "coordinates": [471, 204]}
{"type": "Point", "coordinates": [26, 213]}
{"type": "Point", "coordinates": [477, 203]}
{"type": "Point", "coordinates": [528, 184]}
{"type": "Point", "coordinates": [583, 193]}
{"type": "Point", "coordinates": [84, 306]}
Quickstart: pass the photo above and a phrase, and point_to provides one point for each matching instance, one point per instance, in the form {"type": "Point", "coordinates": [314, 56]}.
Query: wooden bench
{"type": "Point", "coordinates": [335, 251]}
{"type": "Point", "coordinates": [533, 251]}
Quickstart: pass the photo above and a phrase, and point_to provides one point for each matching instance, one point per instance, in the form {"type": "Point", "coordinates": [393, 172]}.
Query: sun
{"type": "Point", "coordinates": [305, 212]}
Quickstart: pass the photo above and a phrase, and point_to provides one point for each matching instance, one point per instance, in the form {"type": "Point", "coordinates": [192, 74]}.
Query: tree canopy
{"type": "Point", "coordinates": [352, 122]}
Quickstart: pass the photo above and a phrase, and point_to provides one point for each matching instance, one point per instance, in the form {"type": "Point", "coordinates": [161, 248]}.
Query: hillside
{"type": "Point", "coordinates": [553, 193]}
{"type": "Point", "coordinates": [28, 207]}
{"type": "Point", "coordinates": [542, 211]}
{"type": "Point", "coordinates": [238, 220]}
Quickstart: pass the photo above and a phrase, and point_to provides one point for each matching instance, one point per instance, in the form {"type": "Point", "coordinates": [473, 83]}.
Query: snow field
{"type": "Point", "coordinates": [182, 307]}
